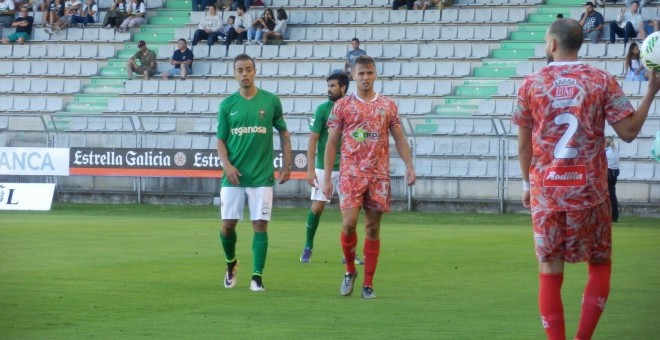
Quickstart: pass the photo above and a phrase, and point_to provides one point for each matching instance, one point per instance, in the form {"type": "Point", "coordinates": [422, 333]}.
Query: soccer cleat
{"type": "Point", "coordinates": [306, 255]}
{"type": "Point", "coordinates": [346, 287]}
{"type": "Point", "coordinates": [368, 292]}
{"type": "Point", "coordinates": [230, 274]}
{"type": "Point", "coordinates": [256, 285]}
{"type": "Point", "coordinates": [356, 261]}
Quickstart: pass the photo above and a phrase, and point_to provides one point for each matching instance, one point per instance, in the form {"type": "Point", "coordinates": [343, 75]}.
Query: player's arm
{"type": "Point", "coordinates": [329, 160]}
{"type": "Point", "coordinates": [311, 158]}
{"type": "Point", "coordinates": [231, 172]}
{"type": "Point", "coordinates": [628, 128]}
{"type": "Point", "coordinates": [403, 148]}
{"type": "Point", "coordinates": [525, 159]}
{"type": "Point", "coordinates": [285, 170]}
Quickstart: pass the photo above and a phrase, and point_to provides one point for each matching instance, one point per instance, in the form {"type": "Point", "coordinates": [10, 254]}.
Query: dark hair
{"type": "Point", "coordinates": [270, 11]}
{"type": "Point", "coordinates": [365, 60]}
{"type": "Point", "coordinates": [231, 17]}
{"type": "Point", "coordinates": [356, 40]}
{"type": "Point", "coordinates": [244, 56]}
{"type": "Point", "coordinates": [635, 2]}
{"type": "Point", "coordinates": [560, 16]}
{"type": "Point", "coordinates": [209, 6]}
{"type": "Point", "coordinates": [281, 14]}
{"type": "Point", "coordinates": [184, 41]}
{"type": "Point", "coordinates": [630, 56]}
{"type": "Point", "coordinates": [241, 7]}
{"type": "Point", "coordinates": [341, 78]}
{"type": "Point", "coordinates": [568, 33]}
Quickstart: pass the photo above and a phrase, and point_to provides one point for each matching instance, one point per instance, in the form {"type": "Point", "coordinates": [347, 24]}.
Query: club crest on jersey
{"type": "Point", "coordinates": [262, 113]}
{"type": "Point", "coordinates": [565, 92]}
{"type": "Point", "coordinates": [565, 176]}
{"type": "Point", "coordinates": [381, 111]}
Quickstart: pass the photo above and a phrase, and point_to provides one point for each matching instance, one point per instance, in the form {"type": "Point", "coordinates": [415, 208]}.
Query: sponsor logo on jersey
{"type": "Point", "coordinates": [361, 135]}
{"type": "Point", "coordinates": [262, 113]}
{"type": "Point", "coordinates": [565, 176]}
{"type": "Point", "coordinates": [248, 129]}
{"type": "Point", "coordinates": [565, 92]}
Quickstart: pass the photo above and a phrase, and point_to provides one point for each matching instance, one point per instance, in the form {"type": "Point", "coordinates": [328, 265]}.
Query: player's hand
{"type": "Point", "coordinates": [285, 174]}
{"type": "Point", "coordinates": [411, 177]}
{"type": "Point", "coordinates": [327, 189]}
{"type": "Point", "coordinates": [654, 82]}
{"type": "Point", "coordinates": [311, 179]}
{"type": "Point", "coordinates": [526, 199]}
{"type": "Point", "coordinates": [232, 174]}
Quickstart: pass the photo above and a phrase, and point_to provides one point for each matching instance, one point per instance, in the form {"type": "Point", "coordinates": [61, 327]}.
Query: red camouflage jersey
{"type": "Point", "coordinates": [364, 127]}
{"type": "Point", "coordinates": [566, 105]}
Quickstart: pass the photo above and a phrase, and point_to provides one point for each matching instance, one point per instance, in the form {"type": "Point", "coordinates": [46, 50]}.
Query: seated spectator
{"type": "Point", "coordinates": [209, 24]}
{"type": "Point", "coordinates": [428, 4]}
{"type": "Point", "coordinates": [136, 13]}
{"type": "Point", "coordinates": [53, 10]}
{"type": "Point", "coordinates": [182, 60]}
{"type": "Point", "coordinates": [23, 24]}
{"type": "Point", "coordinates": [87, 15]}
{"type": "Point", "coordinates": [7, 11]}
{"type": "Point", "coordinates": [633, 67]}
{"type": "Point", "coordinates": [116, 14]}
{"type": "Point", "coordinates": [246, 4]}
{"type": "Point", "coordinates": [147, 60]}
{"type": "Point", "coordinates": [201, 5]}
{"type": "Point", "coordinates": [625, 24]}
{"type": "Point", "coordinates": [279, 31]}
{"type": "Point", "coordinates": [560, 16]}
{"type": "Point", "coordinates": [71, 8]}
{"type": "Point", "coordinates": [399, 3]}
{"type": "Point", "coordinates": [648, 27]}
{"type": "Point", "coordinates": [265, 23]}
{"type": "Point", "coordinates": [352, 55]}
{"type": "Point", "coordinates": [24, 3]}
{"type": "Point", "coordinates": [223, 32]}
{"type": "Point", "coordinates": [592, 23]}
{"type": "Point", "coordinates": [239, 31]}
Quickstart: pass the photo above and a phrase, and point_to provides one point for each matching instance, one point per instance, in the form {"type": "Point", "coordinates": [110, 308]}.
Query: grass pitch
{"type": "Point", "coordinates": [127, 272]}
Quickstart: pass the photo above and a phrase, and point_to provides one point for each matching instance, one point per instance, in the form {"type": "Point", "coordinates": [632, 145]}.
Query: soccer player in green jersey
{"type": "Point", "coordinates": [337, 87]}
{"type": "Point", "coordinates": [245, 147]}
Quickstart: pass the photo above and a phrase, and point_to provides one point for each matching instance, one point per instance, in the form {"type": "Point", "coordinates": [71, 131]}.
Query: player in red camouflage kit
{"type": "Point", "coordinates": [364, 121]}
{"type": "Point", "coordinates": [561, 114]}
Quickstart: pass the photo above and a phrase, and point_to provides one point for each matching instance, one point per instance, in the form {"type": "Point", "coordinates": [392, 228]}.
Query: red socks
{"type": "Point", "coordinates": [348, 243]}
{"type": "Point", "coordinates": [371, 252]}
{"type": "Point", "coordinates": [550, 305]}
{"type": "Point", "coordinates": [594, 298]}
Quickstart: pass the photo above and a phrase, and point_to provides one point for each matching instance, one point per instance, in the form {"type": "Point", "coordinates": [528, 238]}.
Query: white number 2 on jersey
{"type": "Point", "coordinates": [562, 151]}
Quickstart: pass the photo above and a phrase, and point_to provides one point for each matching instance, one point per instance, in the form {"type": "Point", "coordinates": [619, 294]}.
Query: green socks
{"type": "Point", "coordinates": [229, 246]}
{"type": "Point", "coordinates": [312, 225]}
{"type": "Point", "coordinates": [259, 250]}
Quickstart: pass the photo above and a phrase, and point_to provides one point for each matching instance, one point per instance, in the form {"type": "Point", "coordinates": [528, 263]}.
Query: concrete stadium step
{"type": "Point", "coordinates": [527, 36]}
{"type": "Point", "coordinates": [185, 4]}
{"type": "Point", "coordinates": [508, 54]}
{"type": "Point", "coordinates": [106, 81]}
{"type": "Point", "coordinates": [103, 88]}
{"type": "Point", "coordinates": [532, 27]}
{"type": "Point", "coordinates": [158, 29]}
{"type": "Point", "coordinates": [169, 20]}
{"type": "Point", "coordinates": [547, 18]}
{"type": "Point", "coordinates": [154, 38]}
{"type": "Point", "coordinates": [493, 71]}
{"type": "Point", "coordinates": [82, 107]}
{"type": "Point", "coordinates": [564, 3]}
{"type": "Point", "coordinates": [113, 71]}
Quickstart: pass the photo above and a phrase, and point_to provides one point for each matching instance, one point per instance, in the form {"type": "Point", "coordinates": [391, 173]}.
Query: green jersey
{"type": "Point", "coordinates": [318, 125]}
{"type": "Point", "coordinates": [246, 127]}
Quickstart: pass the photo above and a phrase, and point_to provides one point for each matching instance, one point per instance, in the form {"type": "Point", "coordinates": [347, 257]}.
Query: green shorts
{"type": "Point", "coordinates": [16, 35]}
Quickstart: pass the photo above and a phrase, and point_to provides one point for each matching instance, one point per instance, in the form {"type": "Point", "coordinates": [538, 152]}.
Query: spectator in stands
{"type": "Point", "coordinates": [642, 3]}
{"type": "Point", "coordinates": [200, 5]}
{"type": "Point", "coordinates": [223, 32]}
{"type": "Point", "coordinates": [246, 4]}
{"type": "Point", "coordinates": [265, 23]}
{"type": "Point", "coordinates": [24, 3]}
{"type": "Point", "coordinates": [182, 60]}
{"type": "Point", "coordinates": [625, 24]}
{"type": "Point", "coordinates": [352, 55]}
{"type": "Point", "coordinates": [279, 31]}
{"type": "Point", "coordinates": [428, 4]}
{"type": "Point", "coordinates": [633, 68]}
{"type": "Point", "coordinates": [23, 26]}
{"type": "Point", "coordinates": [239, 31]}
{"type": "Point", "coordinates": [560, 16]}
{"type": "Point", "coordinates": [209, 24]}
{"type": "Point", "coordinates": [399, 3]}
{"type": "Point", "coordinates": [71, 8]}
{"type": "Point", "coordinates": [147, 60]}
{"type": "Point", "coordinates": [592, 23]}
{"type": "Point", "coordinates": [136, 13]}
{"type": "Point", "coordinates": [117, 13]}
{"type": "Point", "coordinates": [53, 10]}
{"type": "Point", "coordinates": [7, 11]}
{"type": "Point", "coordinates": [646, 28]}
{"type": "Point", "coordinates": [87, 15]}
{"type": "Point", "coordinates": [612, 155]}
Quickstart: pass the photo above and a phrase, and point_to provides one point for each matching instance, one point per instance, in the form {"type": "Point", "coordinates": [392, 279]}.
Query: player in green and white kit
{"type": "Point", "coordinates": [318, 136]}
{"type": "Point", "coordinates": [245, 146]}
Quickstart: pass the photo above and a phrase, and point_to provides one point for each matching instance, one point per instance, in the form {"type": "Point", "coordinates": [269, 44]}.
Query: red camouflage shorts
{"type": "Point", "coordinates": [574, 236]}
{"type": "Point", "coordinates": [369, 193]}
